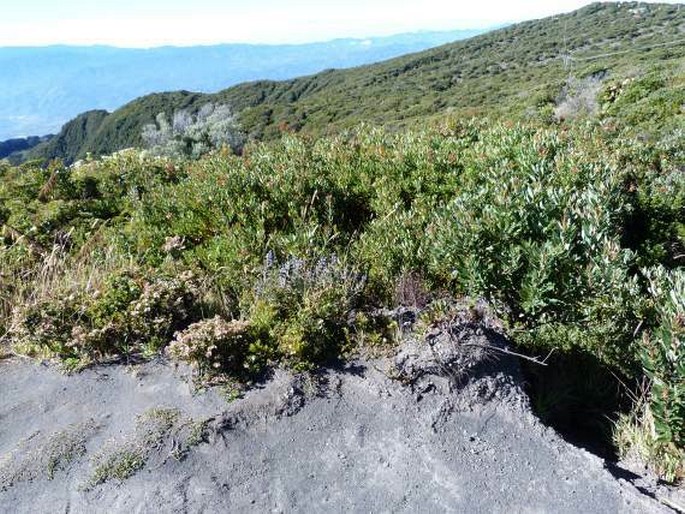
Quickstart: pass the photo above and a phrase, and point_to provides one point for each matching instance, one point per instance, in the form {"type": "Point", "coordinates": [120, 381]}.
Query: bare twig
{"type": "Point", "coordinates": [678, 507]}
{"type": "Point", "coordinates": [535, 360]}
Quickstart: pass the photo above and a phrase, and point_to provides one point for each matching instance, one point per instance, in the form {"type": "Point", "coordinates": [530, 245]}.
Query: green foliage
{"type": "Point", "coordinates": [118, 466]}
{"type": "Point", "coordinates": [309, 303]}
{"type": "Point", "coordinates": [647, 103]}
{"type": "Point", "coordinates": [295, 245]}
{"type": "Point", "coordinates": [658, 216]}
{"type": "Point", "coordinates": [125, 316]}
{"type": "Point", "coordinates": [119, 292]}
{"type": "Point", "coordinates": [663, 358]}
{"type": "Point", "coordinates": [46, 325]}
{"type": "Point", "coordinates": [160, 432]}
{"type": "Point", "coordinates": [515, 72]}
{"type": "Point", "coordinates": [76, 135]}
{"type": "Point", "coordinates": [536, 226]}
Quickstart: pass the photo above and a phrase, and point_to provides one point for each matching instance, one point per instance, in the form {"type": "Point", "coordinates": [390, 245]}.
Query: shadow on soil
{"type": "Point", "coordinates": [580, 398]}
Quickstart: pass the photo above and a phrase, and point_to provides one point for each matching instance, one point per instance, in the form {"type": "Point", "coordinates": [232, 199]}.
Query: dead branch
{"type": "Point", "coordinates": [535, 360]}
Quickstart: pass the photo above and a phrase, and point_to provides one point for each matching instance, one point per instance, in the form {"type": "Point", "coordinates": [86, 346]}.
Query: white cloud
{"type": "Point", "coordinates": [267, 21]}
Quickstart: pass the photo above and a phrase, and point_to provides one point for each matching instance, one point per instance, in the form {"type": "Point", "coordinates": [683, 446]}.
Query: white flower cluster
{"type": "Point", "coordinates": [164, 299]}
{"type": "Point", "coordinates": [213, 342]}
{"type": "Point", "coordinates": [173, 244]}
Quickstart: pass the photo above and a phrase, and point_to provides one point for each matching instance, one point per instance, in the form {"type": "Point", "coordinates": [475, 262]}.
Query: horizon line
{"type": "Point", "coordinates": [482, 29]}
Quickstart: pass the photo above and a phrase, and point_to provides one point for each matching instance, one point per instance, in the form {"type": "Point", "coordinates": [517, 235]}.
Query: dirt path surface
{"type": "Point", "coordinates": [405, 433]}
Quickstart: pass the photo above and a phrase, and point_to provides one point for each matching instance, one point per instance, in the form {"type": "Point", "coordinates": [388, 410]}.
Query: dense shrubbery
{"type": "Point", "coordinates": [663, 357]}
{"type": "Point", "coordinates": [659, 424]}
{"type": "Point", "coordinates": [574, 234]}
{"type": "Point", "coordinates": [306, 304]}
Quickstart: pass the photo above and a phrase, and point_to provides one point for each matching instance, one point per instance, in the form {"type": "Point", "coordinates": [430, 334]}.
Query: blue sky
{"type": "Point", "coordinates": [146, 23]}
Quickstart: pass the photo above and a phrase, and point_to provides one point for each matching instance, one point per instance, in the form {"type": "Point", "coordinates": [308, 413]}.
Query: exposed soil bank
{"type": "Point", "coordinates": [441, 426]}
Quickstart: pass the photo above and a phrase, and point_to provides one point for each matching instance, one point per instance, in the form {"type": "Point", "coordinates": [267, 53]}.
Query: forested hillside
{"type": "Point", "coordinates": [21, 144]}
{"type": "Point", "coordinates": [43, 87]}
{"type": "Point", "coordinates": [524, 72]}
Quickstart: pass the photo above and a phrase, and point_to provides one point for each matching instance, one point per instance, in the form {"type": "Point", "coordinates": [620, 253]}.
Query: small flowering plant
{"type": "Point", "coordinates": [310, 302]}
{"type": "Point", "coordinates": [165, 305]}
{"type": "Point", "coordinates": [212, 345]}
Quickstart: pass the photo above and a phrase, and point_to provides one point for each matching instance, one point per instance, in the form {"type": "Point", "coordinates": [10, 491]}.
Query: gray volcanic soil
{"type": "Point", "coordinates": [442, 425]}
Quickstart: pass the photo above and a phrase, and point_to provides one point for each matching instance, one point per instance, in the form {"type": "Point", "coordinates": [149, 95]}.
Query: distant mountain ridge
{"type": "Point", "coordinates": [43, 87]}
{"type": "Point", "coordinates": [21, 144]}
{"type": "Point", "coordinates": [518, 72]}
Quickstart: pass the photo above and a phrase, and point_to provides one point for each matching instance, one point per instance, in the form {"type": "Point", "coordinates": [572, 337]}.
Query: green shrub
{"type": "Point", "coordinates": [648, 105]}
{"type": "Point", "coordinates": [656, 226]}
{"type": "Point", "coordinates": [307, 303]}
{"type": "Point", "coordinates": [663, 358]}
{"type": "Point", "coordinates": [45, 327]}
{"type": "Point", "coordinates": [126, 316]}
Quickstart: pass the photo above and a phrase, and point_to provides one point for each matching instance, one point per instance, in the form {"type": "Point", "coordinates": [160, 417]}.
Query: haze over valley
{"type": "Point", "coordinates": [43, 87]}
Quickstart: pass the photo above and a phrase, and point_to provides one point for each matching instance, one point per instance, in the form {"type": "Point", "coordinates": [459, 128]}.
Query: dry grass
{"type": "Point", "coordinates": [31, 275]}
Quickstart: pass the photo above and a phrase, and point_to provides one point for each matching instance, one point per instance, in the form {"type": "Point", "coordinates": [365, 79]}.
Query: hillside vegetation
{"type": "Point", "coordinates": [569, 224]}
{"type": "Point", "coordinates": [44, 87]}
{"type": "Point", "coordinates": [521, 71]}
{"type": "Point", "coordinates": [16, 147]}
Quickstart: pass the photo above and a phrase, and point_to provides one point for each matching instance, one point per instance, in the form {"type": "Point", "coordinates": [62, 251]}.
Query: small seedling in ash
{"type": "Point", "coordinates": [44, 457]}
{"type": "Point", "coordinates": [160, 434]}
